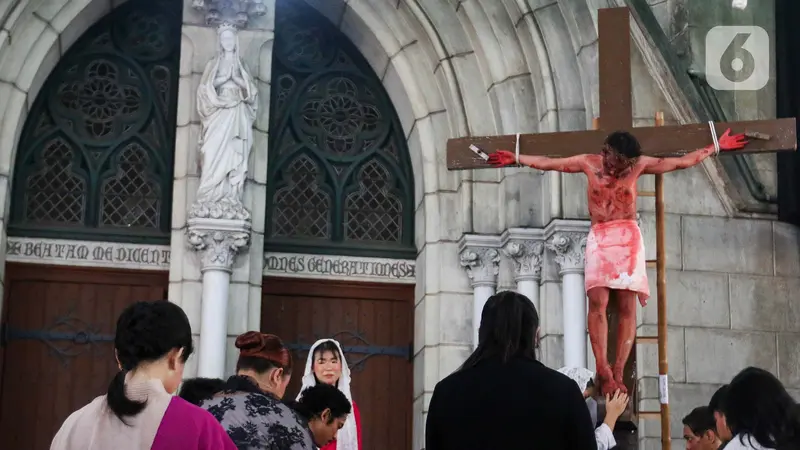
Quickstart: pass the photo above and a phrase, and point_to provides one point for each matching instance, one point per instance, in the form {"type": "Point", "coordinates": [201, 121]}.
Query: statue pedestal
{"type": "Point", "coordinates": [218, 241]}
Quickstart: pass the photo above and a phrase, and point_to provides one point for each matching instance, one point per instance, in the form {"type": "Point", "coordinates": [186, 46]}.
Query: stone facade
{"type": "Point", "coordinates": [455, 68]}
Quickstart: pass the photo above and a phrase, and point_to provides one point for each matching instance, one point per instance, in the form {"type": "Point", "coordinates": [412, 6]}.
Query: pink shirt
{"type": "Point", "coordinates": [166, 423]}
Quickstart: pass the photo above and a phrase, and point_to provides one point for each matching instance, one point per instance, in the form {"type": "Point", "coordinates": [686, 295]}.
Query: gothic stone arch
{"type": "Point", "coordinates": [96, 152]}
{"type": "Point", "coordinates": [94, 163]}
{"type": "Point", "coordinates": [342, 180]}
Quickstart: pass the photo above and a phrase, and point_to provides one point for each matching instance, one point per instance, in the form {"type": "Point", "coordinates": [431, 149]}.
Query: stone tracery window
{"type": "Point", "coordinates": [96, 154]}
{"type": "Point", "coordinates": [340, 178]}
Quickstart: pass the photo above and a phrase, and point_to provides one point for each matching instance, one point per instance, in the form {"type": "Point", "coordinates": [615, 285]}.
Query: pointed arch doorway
{"type": "Point", "coordinates": [90, 208]}
{"type": "Point", "coordinates": [340, 213]}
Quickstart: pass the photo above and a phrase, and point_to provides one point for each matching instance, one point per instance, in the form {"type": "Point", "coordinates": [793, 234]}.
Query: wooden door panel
{"type": "Point", "coordinates": [374, 324]}
{"type": "Point", "coordinates": [58, 343]}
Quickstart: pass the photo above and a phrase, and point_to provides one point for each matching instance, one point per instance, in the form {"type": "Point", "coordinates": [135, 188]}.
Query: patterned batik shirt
{"type": "Point", "coordinates": [256, 420]}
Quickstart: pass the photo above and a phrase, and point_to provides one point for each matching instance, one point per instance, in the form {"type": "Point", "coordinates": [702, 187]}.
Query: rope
{"type": "Point", "coordinates": [714, 136]}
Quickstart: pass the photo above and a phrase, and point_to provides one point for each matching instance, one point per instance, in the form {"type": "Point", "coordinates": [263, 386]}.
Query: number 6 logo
{"type": "Point", "coordinates": [737, 58]}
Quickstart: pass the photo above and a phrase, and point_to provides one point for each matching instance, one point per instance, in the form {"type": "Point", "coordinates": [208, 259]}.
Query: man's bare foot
{"type": "Point", "coordinates": [605, 377]}
{"type": "Point", "coordinates": [608, 386]}
{"type": "Point", "coordinates": [619, 379]}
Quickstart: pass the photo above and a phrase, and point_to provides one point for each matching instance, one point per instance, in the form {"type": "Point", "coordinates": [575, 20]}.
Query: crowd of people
{"type": "Point", "coordinates": [246, 412]}
{"type": "Point", "coordinates": [503, 398]}
{"type": "Point", "coordinates": [500, 398]}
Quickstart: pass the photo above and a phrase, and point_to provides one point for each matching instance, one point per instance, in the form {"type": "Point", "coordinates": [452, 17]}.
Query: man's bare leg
{"type": "Point", "coordinates": [626, 333]}
{"type": "Point", "coordinates": [598, 334]}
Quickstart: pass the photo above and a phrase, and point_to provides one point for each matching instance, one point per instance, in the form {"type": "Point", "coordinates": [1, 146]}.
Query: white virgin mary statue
{"type": "Point", "coordinates": [226, 101]}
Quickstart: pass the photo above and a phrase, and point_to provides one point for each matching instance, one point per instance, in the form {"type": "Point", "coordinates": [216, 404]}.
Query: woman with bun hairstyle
{"type": "Point", "coordinates": [326, 364]}
{"type": "Point", "coordinates": [152, 343]}
{"type": "Point", "coordinates": [249, 403]}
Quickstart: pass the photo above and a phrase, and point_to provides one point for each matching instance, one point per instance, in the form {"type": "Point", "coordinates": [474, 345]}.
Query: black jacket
{"type": "Point", "coordinates": [517, 405]}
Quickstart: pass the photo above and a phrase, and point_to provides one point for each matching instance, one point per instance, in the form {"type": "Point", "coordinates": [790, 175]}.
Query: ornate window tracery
{"type": "Point", "coordinates": [340, 178]}
{"type": "Point", "coordinates": [96, 154]}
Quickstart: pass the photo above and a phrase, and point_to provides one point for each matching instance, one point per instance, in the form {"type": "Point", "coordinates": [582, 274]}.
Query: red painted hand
{"type": "Point", "coordinates": [502, 158]}
{"type": "Point", "coordinates": [728, 142]}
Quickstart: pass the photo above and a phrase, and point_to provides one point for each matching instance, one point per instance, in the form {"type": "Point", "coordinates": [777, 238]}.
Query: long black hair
{"type": "Point", "coordinates": [146, 331]}
{"type": "Point", "coordinates": [316, 399]}
{"type": "Point", "coordinates": [757, 404]}
{"type": "Point", "coordinates": [508, 329]}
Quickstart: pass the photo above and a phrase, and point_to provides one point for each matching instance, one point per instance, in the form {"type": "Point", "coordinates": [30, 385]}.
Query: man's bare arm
{"type": "Point", "coordinates": [572, 164]}
{"type": "Point", "coordinates": [664, 165]}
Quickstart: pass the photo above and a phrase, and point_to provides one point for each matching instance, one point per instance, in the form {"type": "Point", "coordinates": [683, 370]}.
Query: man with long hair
{"type": "Point", "coordinates": [502, 397]}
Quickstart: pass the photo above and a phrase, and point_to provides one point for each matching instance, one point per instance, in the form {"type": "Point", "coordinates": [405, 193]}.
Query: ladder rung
{"type": "Point", "coordinates": [647, 339]}
{"type": "Point", "coordinates": [647, 193]}
{"type": "Point", "coordinates": [649, 414]}
{"type": "Point", "coordinates": [651, 263]}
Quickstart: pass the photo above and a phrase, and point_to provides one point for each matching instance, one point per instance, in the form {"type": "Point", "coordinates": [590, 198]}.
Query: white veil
{"type": "Point", "coordinates": [347, 439]}
{"type": "Point", "coordinates": [581, 376]}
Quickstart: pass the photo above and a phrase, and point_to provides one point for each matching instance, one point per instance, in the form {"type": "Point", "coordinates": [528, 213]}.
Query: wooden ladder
{"type": "Point", "coordinates": [660, 264]}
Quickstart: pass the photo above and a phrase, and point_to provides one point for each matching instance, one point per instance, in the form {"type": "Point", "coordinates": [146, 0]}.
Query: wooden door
{"type": "Point", "coordinates": [374, 323]}
{"type": "Point", "coordinates": [58, 343]}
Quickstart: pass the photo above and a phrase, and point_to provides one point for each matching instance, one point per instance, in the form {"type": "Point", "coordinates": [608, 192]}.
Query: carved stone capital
{"type": "Point", "coordinates": [233, 12]}
{"type": "Point", "coordinates": [480, 257]}
{"type": "Point", "coordinates": [567, 240]}
{"type": "Point", "coordinates": [569, 248]}
{"type": "Point", "coordinates": [527, 258]}
{"type": "Point", "coordinates": [218, 241]}
{"type": "Point", "coordinates": [482, 265]}
{"type": "Point", "coordinates": [525, 248]}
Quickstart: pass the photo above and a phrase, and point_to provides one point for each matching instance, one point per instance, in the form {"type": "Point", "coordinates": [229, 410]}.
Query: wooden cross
{"type": "Point", "coordinates": [616, 114]}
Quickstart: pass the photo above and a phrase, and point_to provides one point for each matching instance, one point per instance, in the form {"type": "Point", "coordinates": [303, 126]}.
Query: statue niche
{"type": "Point", "coordinates": [226, 102]}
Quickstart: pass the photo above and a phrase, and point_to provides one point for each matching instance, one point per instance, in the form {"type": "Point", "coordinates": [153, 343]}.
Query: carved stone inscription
{"type": "Point", "coordinates": [340, 267]}
{"type": "Point", "coordinates": [85, 253]}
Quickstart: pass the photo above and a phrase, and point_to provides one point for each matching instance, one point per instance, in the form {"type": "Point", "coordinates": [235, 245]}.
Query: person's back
{"type": "Point", "coordinates": [166, 423]}
{"type": "Point", "coordinates": [256, 420]}
{"type": "Point", "coordinates": [152, 342]}
{"type": "Point", "coordinates": [248, 405]}
{"type": "Point", "coordinates": [517, 405]}
{"type": "Point", "coordinates": [502, 398]}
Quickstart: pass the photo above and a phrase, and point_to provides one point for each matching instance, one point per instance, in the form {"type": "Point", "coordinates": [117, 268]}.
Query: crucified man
{"type": "Point", "coordinates": [615, 260]}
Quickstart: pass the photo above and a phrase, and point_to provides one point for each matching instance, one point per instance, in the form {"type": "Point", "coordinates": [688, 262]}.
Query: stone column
{"type": "Point", "coordinates": [256, 39]}
{"type": "Point", "coordinates": [219, 224]}
{"type": "Point", "coordinates": [218, 241]}
{"type": "Point", "coordinates": [525, 248]}
{"type": "Point", "coordinates": [480, 256]}
{"type": "Point", "coordinates": [568, 243]}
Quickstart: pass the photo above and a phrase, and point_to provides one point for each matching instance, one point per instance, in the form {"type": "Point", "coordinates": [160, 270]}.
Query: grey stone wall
{"type": "Point", "coordinates": [731, 285]}
{"type": "Point", "coordinates": [686, 23]}
{"type": "Point", "coordinates": [731, 282]}
{"type": "Point", "coordinates": [457, 68]}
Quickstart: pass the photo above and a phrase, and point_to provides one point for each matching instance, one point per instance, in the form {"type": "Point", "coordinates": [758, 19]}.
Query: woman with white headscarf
{"type": "Point", "coordinates": [615, 405]}
{"type": "Point", "coordinates": [326, 364]}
